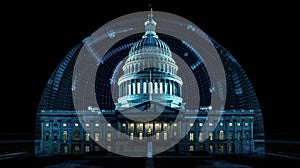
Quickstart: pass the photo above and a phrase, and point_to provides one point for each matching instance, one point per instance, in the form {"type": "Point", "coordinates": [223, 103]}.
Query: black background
{"type": "Point", "coordinates": [263, 38]}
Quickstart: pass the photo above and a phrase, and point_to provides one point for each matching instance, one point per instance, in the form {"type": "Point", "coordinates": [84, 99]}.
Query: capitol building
{"type": "Point", "coordinates": [147, 78]}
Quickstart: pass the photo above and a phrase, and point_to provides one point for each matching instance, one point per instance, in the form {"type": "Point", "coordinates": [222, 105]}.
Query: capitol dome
{"type": "Point", "coordinates": [150, 73]}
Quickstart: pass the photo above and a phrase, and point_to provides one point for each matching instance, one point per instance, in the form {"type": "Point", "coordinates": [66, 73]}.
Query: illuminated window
{"type": "Point", "coordinates": [157, 136]}
{"type": "Point", "coordinates": [140, 136]}
{"type": "Point", "coordinates": [175, 133]}
{"type": "Point", "coordinates": [211, 148]}
{"type": "Point", "coordinates": [165, 125]}
{"type": "Point", "coordinates": [191, 148]}
{"type": "Point", "coordinates": [191, 124]}
{"type": "Point", "coordinates": [87, 148]}
{"type": "Point", "coordinates": [201, 136]}
{"type": "Point", "coordinates": [66, 150]}
{"type": "Point", "coordinates": [201, 147]}
{"type": "Point", "coordinates": [221, 135]}
{"type": "Point", "coordinates": [131, 125]}
{"type": "Point", "coordinates": [65, 135]}
{"type": "Point", "coordinates": [108, 124]}
{"type": "Point", "coordinates": [97, 136]}
{"type": "Point", "coordinates": [47, 124]}
{"type": "Point", "coordinates": [191, 136]}
{"type": "Point", "coordinates": [230, 124]}
{"type": "Point", "coordinates": [201, 124]}
{"type": "Point", "coordinates": [131, 135]}
{"type": "Point", "coordinates": [246, 124]}
{"type": "Point", "coordinates": [221, 148]}
{"type": "Point", "coordinates": [123, 124]}
{"type": "Point", "coordinates": [87, 137]}
{"type": "Point", "coordinates": [165, 136]}
{"type": "Point", "coordinates": [238, 124]}
{"type": "Point", "coordinates": [64, 124]}
{"type": "Point", "coordinates": [76, 124]}
{"type": "Point", "coordinates": [221, 124]}
{"type": "Point", "coordinates": [108, 136]}
{"type": "Point", "coordinates": [96, 148]}
{"type": "Point", "coordinates": [76, 135]}
{"type": "Point", "coordinates": [175, 124]}
{"type": "Point", "coordinates": [210, 124]}
{"type": "Point", "coordinates": [97, 125]}
{"type": "Point", "coordinates": [87, 125]}
{"type": "Point", "coordinates": [108, 148]}
{"type": "Point", "coordinates": [76, 148]}
{"type": "Point", "coordinates": [211, 137]}
{"type": "Point", "coordinates": [230, 148]}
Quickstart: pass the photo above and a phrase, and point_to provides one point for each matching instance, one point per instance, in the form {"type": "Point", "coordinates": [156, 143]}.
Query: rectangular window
{"type": "Point", "coordinates": [157, 136]}
{"type": "Point", "coordinates": [161, 88]}
{"type": "Point", "coordinates": [238, 124]}
{"type": "Point", "coordinates": [140, 136]}
{"type": "Point", "coordinates": [108, 136]}
{"type": "Point", "coordinates": [47, 124]}
{"type": "Point", "coordinates": [131, 135]}
{"type": "Point", "coordinates": [87, 137]}
{"type": "Point", "coordinates": [150, 88]}
{"type": "Point", "coordinates": [64, 124]}
{"type": "Point", "coordinates": [66, 150]}
{"type": "Point", "coordinates": [175, 124]}
{"type": "Point", "coordinates": [97, 148]}
{"type": "Point", "coordinates": [230, 124]}
{"type": "Point", "coordinates": [97, 125]}
{"type": "Point", "coordinates": [65, 135]}
{"type": "Point", "coordinates": [201, 124]}
{"type": "Point", "coordinates": [210, 124]}
{"type": "Point", "coordinates": [108, 148]}
{"type": "Point", "coordinates": [201, 136]}
{"type": "Point", "coordinates": [191, 124]}
{"type": "Point", "coordinates": [87, 125]}
{"type": "Point", "coordinates": [165, 136]}
{"type": "Point", "coordinates": [230, 149]}
{"type": "Point", "coordinates": [191, 148]}
{"type": "Point", "coordinates": [97, 137]}
{"type": "Point", "coordinates": [108, 124]}
{"type": "Point", "coordinates": [87, 148]}
{"type": "Point", "coordinates": [166, 88]}
{"type": "Point", "coordinates": [230, 135]}
{"type": "Point", "coordinates": [191, 136]}
{"type": "Point", "coordinates": [246, 124]}
{"type": "Point", "coordinates": [76, 124]}
{"type": "Point", "coordinates": [171, 89]}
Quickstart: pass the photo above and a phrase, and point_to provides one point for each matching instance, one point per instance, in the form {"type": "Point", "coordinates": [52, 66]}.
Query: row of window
{"type": "Point", "coordinates": [231, 135]}
{"type": "Point", "coordinates": [201, 124]}
{"type": "Point", "coordinates": [221, 148]}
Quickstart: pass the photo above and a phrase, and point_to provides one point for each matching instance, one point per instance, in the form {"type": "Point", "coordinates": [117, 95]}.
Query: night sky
{"type": "Point", "coordinates": [36, 37]}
